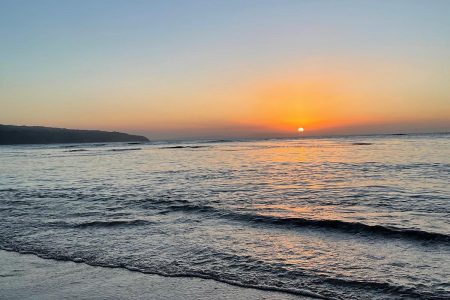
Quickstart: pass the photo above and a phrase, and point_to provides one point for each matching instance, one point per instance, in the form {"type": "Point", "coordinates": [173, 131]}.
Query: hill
{"type": "Point", "coordinates": [10, 135]}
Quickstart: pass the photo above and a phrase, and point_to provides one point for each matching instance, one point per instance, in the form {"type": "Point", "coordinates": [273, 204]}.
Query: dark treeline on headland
{"type": "Point", "coordinates": [10, 135]}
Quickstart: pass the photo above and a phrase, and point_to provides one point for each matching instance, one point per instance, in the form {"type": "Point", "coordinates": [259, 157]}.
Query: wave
{"type": "Point", "coordinates": [101, 223]}
{"type": "Point", "coordinates": [124, 149]}
{"type": "Point", "coordinates": [354, 227]}
{"type": "Point", "coordinates": [362, 144]}
{"type": "Point", "coordinates": [326, 294]}
{"type": "Point", "coordinates": [184, 147]}
{"type": "Point", "coordinates": [220, 141]}
{"type": "Point", "coordinates": [76, 150]}
{"type": "Point", "coordinates": [64, 257]}
{"type": "Point", "coordinates": [112, 223]}
{"type": "Point", "coordinates": [405, 292]}
{"type": "Point", "coordinates": [82, 145]}
{"type": "Point", "coordinates": [336, 225]}
{"type": "Point", "coordinates": [165, 206]}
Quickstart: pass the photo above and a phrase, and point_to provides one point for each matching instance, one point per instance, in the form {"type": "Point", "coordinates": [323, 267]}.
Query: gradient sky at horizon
{"type": "Point", "coordinates": [181, 69]}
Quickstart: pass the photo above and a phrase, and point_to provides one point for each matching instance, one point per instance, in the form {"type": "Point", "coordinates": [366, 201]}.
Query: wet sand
{"type": "Point", "coordinates": [24, 276]}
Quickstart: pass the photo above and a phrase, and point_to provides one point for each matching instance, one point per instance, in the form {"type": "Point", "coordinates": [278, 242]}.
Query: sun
{"type": "Point", "coordinates": [301, 129]}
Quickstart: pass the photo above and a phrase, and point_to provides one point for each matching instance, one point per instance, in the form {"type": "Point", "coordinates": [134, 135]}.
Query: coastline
{"type": "Point", "coordinates": [27, 276]}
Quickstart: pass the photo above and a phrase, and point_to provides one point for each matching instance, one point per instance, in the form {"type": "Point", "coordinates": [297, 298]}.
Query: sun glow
{"type": "Point", "coordinates": [301, 129]}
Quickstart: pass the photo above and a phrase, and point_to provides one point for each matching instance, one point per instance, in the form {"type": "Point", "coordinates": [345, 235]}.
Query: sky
{"type": "Point", "coordinates": [221, 69]}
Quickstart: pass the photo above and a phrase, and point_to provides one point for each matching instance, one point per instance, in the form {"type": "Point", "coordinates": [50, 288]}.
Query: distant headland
{"type": "Point", "coordinates": [11, 135]}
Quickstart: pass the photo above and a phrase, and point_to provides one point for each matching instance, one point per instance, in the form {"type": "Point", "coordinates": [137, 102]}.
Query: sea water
{"type": "Point", "coordinates": [363, 217]}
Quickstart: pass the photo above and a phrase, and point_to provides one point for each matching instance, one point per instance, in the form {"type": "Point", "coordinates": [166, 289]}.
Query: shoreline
{"type": "Point", "coordinates": [27, 276]}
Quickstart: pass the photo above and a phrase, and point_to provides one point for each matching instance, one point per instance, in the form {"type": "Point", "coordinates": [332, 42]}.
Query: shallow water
{"type": "Point", "coordinates": [343, 218]}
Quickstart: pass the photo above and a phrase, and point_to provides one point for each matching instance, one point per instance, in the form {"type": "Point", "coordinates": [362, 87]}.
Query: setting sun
{"type": "Point", "coordinates": [301, 129]}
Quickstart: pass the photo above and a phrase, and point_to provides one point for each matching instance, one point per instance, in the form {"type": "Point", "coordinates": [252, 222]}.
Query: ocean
{"type": "Point", "coordinates": [361, 217]}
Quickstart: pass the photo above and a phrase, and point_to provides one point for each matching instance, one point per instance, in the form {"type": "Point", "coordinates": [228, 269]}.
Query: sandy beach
{"type": "Point", "coordinates": [25, 276]}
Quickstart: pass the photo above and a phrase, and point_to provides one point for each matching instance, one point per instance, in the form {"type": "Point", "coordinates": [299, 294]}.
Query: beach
{"type": "Point", "coordinates": [25, 276]}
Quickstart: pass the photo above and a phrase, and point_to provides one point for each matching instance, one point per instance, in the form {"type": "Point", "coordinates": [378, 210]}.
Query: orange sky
{"type": "Point", "coordinates": [245, 71]}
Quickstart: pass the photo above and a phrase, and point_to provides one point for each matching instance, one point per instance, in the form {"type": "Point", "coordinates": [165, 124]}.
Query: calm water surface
{"type": "Point", "coordinates": [339, 218]}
